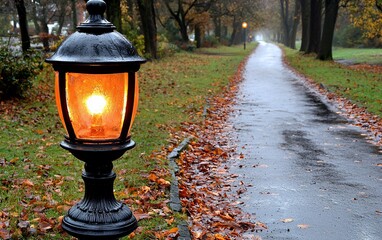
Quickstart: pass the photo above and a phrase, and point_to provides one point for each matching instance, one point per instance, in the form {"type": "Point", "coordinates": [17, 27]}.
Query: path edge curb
{"type": "Point", "coordinates": [175, 204]}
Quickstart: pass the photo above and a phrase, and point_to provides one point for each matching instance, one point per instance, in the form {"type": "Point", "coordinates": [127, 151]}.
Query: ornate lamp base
{"type": "Point", "coordinates": [99, 215]}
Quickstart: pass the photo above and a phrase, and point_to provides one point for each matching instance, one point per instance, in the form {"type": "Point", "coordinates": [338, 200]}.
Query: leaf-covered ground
{"type": "Point", "coordinates": [205, 183]}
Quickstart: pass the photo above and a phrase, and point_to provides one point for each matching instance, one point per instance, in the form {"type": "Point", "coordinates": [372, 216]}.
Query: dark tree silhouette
{"type": "Point", "coordinates": [21, 11]}
{"type": "Point", "coordinates": [305, 23]}
{"type": "Point", "coordinates": [331, 13]}
{"type": "Point", "coordinates": [315, 26]}
{"type": "Point", "coordinates": [147, 12]}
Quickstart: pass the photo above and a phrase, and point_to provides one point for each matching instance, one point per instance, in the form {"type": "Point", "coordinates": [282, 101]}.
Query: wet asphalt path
{"type": "Point", "coordinates": [304, 164]}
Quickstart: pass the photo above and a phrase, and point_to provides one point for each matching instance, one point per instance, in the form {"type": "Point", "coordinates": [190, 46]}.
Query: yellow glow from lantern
{"type": "Point", "coordinates": [96, 104]}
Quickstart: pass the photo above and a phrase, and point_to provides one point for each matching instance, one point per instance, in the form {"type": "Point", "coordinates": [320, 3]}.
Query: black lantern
{"type": "Point", "coordinates": [97, 97]}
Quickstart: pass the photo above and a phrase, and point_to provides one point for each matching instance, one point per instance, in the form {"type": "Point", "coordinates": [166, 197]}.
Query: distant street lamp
{"type": "Point", "coordinates": [244, 25]}
{"type": "Point", "coordinates": [97, 98]}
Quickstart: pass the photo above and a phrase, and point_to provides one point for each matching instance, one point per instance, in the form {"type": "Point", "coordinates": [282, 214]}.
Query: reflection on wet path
{"type": "Point", "coordinates": [302, 161]}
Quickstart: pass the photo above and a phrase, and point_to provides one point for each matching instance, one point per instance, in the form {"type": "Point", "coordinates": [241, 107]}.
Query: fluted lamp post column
{"type": "Point", "coordinates": [97, 96]}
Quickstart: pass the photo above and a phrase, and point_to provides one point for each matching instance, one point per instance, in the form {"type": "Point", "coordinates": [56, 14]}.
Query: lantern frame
{"type": "Point", "coordinates": [96, 48]}
{"type": "Point", "coordinates": [82, 53]}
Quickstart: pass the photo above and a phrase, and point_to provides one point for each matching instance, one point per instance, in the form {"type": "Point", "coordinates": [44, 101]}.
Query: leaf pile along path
{"type": "Point", "coordinates": [205, 183]}
{"type": "Point", "coordinates": [359, 116]}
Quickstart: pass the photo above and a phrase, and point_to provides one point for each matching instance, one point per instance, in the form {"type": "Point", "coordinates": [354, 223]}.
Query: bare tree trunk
{"type": "Point", "coordinates": [305, 22]}
{"type": "Point", "coordinates": [44, 29]}
{"type": "Point", "coordinates": [331, 13]}
{"type": "Point", "coordinates": [218, 28]}
{"type": "Point", "coordinates": [315, 26]}
{"type": "Point", "coordinates": [21, 11]}
{"type": "Point", "coordinates": [35, 19]}
{"type": "Point", "coordinates": [179, 16]}
{"type": "Point", "coordinates": [198, 35]}
{"type": "Point", "coordinates": [147, 12]}
{"type": "Point", "coordinates": [296, 22]}
{"type": "Point", "coordinates": [74, 15]}
{"type": "Point", "coordinates": [61, 16]}
{"type": "Point", "coordinates": [284, 12]}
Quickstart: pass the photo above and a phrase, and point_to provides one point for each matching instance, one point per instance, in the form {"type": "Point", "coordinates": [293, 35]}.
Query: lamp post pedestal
{"type": "Point", "coordinates": [99, 215]}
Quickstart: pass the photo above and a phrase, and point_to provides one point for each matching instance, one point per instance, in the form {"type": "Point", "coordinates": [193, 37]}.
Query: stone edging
{"type": "Point", "coordinates": [175, 204]}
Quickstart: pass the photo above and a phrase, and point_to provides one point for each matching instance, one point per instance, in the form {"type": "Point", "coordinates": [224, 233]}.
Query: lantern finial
{"type": "Point", "coordinates": [96, 7]}
{"type": "Point", "coordinates": [96, 23]}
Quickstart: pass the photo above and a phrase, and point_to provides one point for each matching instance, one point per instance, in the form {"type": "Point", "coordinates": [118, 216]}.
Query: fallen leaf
{"type": "Point", "coordinates": [170, 221]}
{"type": "Point", "coordinates": [287, 220]}
{"type": "Point", "coordinates": [28, 183]}
{"type": "Point", "coordinates": [4, 234]}
{"type": "Point", "coordinates": [219, 237]}
{"type": "Point", "coordinates": [172, 230]}
{"type": "Point", "coordinates": [141, 216]}
{"type": "Point", "coordinates": [152, 177]}
{"type": "Point", "coordinates": [226, 217]}
{"type": "Point", "coordinates": [303, 226]}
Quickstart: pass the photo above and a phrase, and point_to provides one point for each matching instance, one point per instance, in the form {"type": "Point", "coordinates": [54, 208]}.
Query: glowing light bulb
{"type": "Point", "coordinates": [96, 104]}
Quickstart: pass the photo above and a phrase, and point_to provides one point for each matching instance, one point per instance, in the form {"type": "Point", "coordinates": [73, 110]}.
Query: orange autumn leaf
{"type": "Point", "coordinates": [163, 182]}
{"type": "Point", "coordinates": [172, 230]}
{"type": "Point", "coordinates": [219, 237]}
{"type": "Point", "coordinates": [227, 217]}
{"type": "Point", "coordinates": [28, 183]}
{"type": "Point", "coordinates": [152, 177]}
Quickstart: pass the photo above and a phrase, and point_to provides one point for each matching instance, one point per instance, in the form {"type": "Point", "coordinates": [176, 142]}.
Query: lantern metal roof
{"type": "Point", "coordinates": [96, 44]}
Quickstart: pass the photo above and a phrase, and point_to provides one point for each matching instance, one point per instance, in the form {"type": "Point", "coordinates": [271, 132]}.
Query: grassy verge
{"type": "Point", "coordinates": [39, 181]}
{"type": "Point", "coordinates": [359, 55]}
{"type": "Point", "coordinates": [361, 86]}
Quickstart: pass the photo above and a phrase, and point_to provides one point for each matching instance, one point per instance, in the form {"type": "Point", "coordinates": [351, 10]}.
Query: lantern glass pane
{"type": "Point", "coordinates": [97, 104]}
{"type": "Point", "coordinates": [58, 100]}
{"type": "Point", "coordinates": [135, 106]}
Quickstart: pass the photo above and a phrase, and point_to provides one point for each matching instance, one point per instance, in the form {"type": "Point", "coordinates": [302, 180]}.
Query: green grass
{"type": "Point", "coordinates": [359, 55]}
{"type": "Point", "coordinates": [360, 86]}
{"type": "Point", "coordinates": [39, 181]}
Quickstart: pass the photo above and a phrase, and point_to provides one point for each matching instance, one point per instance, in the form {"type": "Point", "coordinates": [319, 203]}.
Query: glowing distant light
{"type": "Point", "coordinates": [96, 104]}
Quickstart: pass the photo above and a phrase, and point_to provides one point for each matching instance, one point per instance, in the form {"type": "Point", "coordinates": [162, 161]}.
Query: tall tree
{"type": "Point", "coordinates": [201, 21]}
{"type": "Point", "coordinates": [216, 14]}
{"type": "Point", "coordinates": [284, 12]}
{"type": "Point", "coordinates": [315, 26]}
{"type": "Point", "coordinates": [44, 19]}
{"type": "Point", "coordinates": [147, 12]}
{"type": "Point", "coordinates": [25, 40]}
{"type": "Point", "coordinates": [305, 23]}
{"type": "Point", "coordinates": [331, 12]}
{"type": "Point", "coordinates": [295, 22]}
{"type": "Point", "coordinates": [73, 5]}
{"type": "Point", "coordinates": [62, 13]}
{"type": "Point", "coordinates": [179, 10]}
{"type": "Point", "coordinates": [290, 22]}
